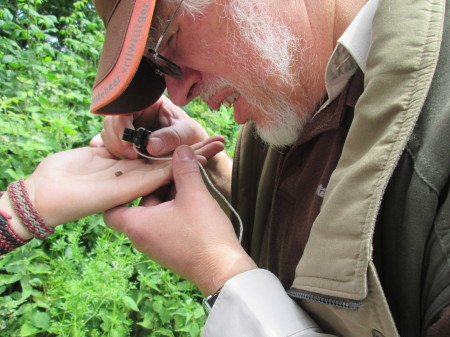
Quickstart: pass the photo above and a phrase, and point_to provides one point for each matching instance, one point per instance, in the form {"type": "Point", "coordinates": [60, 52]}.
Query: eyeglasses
{"type": "Point", "coordinates": [163, 65]}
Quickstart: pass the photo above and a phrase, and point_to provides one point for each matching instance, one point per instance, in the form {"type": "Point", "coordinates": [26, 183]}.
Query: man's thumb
{"type": "Point", "coordinates": [186, 172]}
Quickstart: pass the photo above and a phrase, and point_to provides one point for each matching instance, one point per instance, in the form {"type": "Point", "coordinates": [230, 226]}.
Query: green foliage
{"type": "Point", "coordinates": [89, 281]}
{"type": "Point", "coordinates": [46, 74]}
{"type": "Point", "coordinates": [85, 280]}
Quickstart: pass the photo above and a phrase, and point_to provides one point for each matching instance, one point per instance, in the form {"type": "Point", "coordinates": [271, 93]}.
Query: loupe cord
{"type": "Point", "coordinates": [202, 169]}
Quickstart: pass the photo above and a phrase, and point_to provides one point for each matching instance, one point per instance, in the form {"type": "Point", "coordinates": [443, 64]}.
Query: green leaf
{"type": "Point", "coordinates": [41, 320]}
{"type": "Point", "coordinates": [8, 59]}
{"type": "Point", "coordinates": [163, 332]}
{"type": "Point", "coordinates": [34, 108]}
{"type": "Point", "coordinates": [8, 279]}
{"type": "Point", "coordinates": [39, 268]}
{"type": "Point", "coordinates": [14, 175]}
{"type": "Point", "coordinates": [7, 15]}
{"type": "Point", "coordinates": [149, 320]}
{"type": "Point", "coordinates": [184, 285]}
{"type": "Point", "coordinates": [199, 312]}
{"type": "Point", "coordinates": [27, 289]}
{"type": "Point", "coordinates": [28, 330]}
{"type": "Point", "coordinates": [130, 303]}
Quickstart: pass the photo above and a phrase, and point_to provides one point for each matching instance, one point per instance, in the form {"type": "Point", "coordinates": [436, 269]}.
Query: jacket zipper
{"type": "Point", "coordinates": [329, 300]}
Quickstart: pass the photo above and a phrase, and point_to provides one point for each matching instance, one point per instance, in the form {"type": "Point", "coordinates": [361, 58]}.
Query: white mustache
{"type": "Point", "coordinates": [208, 88]}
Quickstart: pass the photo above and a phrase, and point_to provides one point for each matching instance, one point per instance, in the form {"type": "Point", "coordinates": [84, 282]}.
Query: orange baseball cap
{"type": "Point", "coordinates": [125, 81]}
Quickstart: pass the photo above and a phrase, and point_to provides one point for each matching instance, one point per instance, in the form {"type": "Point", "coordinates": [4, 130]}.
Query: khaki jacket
{"type": "Point", "coordinates": [336, 279]}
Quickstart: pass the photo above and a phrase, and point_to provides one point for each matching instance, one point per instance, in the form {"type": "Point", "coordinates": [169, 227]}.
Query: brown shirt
{"type": "Point", "coordinates": [302, 177]}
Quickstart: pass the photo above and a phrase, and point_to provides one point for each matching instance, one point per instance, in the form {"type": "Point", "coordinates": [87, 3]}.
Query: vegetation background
{"type": "Point", "coordinates": [85, 280]}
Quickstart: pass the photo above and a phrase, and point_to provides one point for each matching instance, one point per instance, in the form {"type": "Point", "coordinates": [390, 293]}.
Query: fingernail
{"type": "Point", "coordinates": [185, 153]}
{"type": "Point", "coordinates": [156, 145]}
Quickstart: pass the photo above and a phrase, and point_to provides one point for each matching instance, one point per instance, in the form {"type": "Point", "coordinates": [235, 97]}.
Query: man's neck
{"type": "Point", "coordinates": [327, 19]}
{"type": "Point", "coordinates": [345, 12]}
{"type": "Point", "coordinates": [317, 25]}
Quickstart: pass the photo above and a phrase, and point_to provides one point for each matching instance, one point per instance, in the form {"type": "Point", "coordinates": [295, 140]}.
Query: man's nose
{"type": "Point", "coordinates": [183, 90]}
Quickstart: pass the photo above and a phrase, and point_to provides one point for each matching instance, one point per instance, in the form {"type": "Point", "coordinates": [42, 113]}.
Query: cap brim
{"type": "Point", "coordinates": [126, 82]}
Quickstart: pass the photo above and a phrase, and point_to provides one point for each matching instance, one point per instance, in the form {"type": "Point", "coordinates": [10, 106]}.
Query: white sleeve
{"type": "Point", "coordinates": [255, 304]}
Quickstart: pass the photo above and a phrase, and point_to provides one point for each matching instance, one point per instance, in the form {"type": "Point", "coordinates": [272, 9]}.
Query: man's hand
{"type": "Point", "coordinates": [173, 127]}
{"type": "Point", "coordinates": [189, 234]}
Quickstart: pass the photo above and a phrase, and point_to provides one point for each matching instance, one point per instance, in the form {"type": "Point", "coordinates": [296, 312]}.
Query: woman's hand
{"type": "Point", "coordinates": [73, 184]}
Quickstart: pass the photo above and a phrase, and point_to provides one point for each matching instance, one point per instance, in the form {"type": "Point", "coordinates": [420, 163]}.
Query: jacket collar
{"type": "Point", "coordinates": [350, 53]}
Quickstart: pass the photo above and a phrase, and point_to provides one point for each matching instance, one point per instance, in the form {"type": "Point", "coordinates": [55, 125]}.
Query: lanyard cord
{"type": "Point", "coordinates": [202, 169]}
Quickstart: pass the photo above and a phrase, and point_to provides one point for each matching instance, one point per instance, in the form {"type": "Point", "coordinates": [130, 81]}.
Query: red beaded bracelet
{"type": "Point", "coordinates": [26, 212]}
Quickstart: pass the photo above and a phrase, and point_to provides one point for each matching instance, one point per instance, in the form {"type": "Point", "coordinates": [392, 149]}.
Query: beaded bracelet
{"type": "Point", "coordinates": [27, 214]}
{"type": "Point", "coordinates": [8, 239]}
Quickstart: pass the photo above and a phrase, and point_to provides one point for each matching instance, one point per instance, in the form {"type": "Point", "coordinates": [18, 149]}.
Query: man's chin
{"type": "Point", "coordinates": [277, 137]}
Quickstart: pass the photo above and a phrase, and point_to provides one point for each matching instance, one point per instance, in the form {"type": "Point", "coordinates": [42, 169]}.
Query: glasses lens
{"type": "Point", "coordinates": [163, 65]}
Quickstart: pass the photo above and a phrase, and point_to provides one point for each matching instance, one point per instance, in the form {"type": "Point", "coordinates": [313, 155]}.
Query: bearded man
{"type": "Point", "coordinates": [340, 174]}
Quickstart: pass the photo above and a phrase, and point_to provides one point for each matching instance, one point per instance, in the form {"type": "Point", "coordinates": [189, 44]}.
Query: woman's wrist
{"type": "Point", "coordinates": [14, 222]}
{"type": "Point", "coordinates": [25, 210]}
{"type": "Point", "coordinates": [18, 202]}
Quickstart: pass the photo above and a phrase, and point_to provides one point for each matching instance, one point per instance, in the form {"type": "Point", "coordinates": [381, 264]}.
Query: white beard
{"type": "Point", "coordinates": [274, 44]}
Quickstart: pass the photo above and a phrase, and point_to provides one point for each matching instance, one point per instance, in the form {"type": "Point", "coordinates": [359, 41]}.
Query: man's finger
{"type": "Point", "coordinates": [210, 150]}
{"type": "Point", "coordinates": [112, 136]}
{"type": "Point", "coordinates": [131, 222]}
{"type": "Point", "coordinates": [97, 141]}
{"type": "Point", "coordinates": [167, 139]}
{"type": "Point", "coordinates": [118, 217]}
{"type": "Point", "coordinates": [164, 141]}
{"type": "Point", "coordinates": [186, 172]}
{"type": "Point", "coordinates": [156, 197]}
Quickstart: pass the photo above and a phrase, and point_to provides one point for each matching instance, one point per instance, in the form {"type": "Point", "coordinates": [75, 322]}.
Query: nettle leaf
{"type": "Point", "coordinates": [34, 28]}
{"type": "Point", "coordinates": [41, 320]}
{"type": "Point", "coordinates": [7, 15]}
{"type": "Point", "coordinates": [199, 312]}
{"type": "Point", "coordinates": [164, 314]}
{"type": "Point", "coordinates": [27, 289]}
{"type": "Point", "coordinates": [13, 174]}
{"type": "Point", "coordinates": [9, 59]}
{"type": "Point", "coordinates": [192, 329]}
{"type": "Point", "coordinates": [184, 285]}
{"type": "Point", "coordinates": [130, 303]}
{"type": "Point", "coordinates": [164, 332]}
{"type": "Point", "coordinates": [149, 321]}
{"type": "Point", "coordinates": [36, 282]}
{"type": "Point", "coordinates": [28, 330]}
{"type": "Point", "coordinates": [34, 108]}
{"type": "Point", "coordinates": [39, 268]}
{"type": "Point", "coordinates": [8, 279]}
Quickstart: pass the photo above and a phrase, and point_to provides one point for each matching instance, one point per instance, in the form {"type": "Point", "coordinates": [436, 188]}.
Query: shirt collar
{"type": "Point", "coordinates": [350, 53]}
